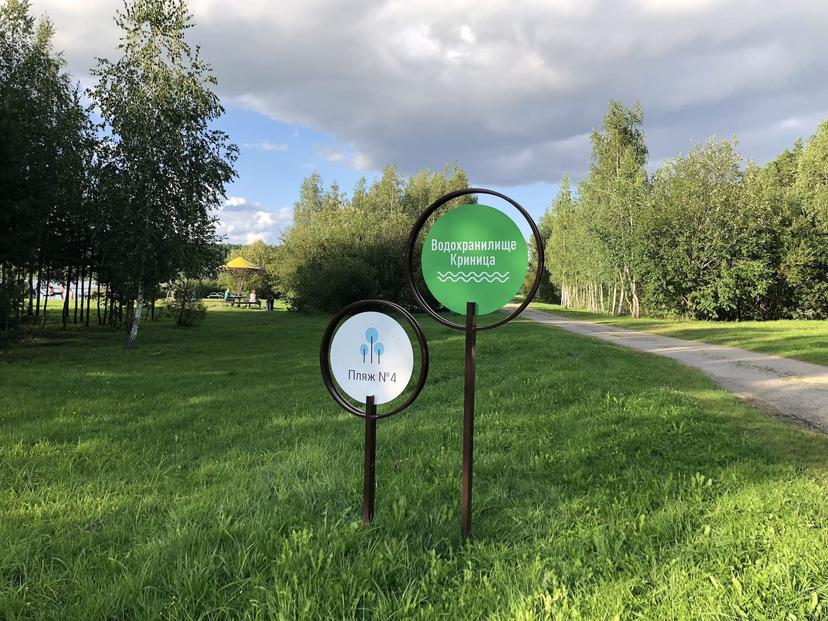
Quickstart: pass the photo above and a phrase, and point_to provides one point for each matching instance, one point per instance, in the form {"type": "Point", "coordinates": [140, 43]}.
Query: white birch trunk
{"type": "Point", "coordinates": [635, 311]}
{"type": "Point", "coordinates": [136, 319]}
{"type": "Point", "coordinates": [621, 301]}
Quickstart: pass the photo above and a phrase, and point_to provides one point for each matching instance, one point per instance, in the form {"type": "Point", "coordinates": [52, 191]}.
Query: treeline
{"type": "Point", "coordinates": [709, 235]}
{"type": "Point", "coordinates": [125, 202]}
{"type": "Point", "coordinates": [340, 249]}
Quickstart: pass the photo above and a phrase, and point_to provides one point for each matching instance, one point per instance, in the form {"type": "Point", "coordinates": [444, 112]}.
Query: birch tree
{"type": "Point", "coordinates": [614, 194]}
{"type": "Point", "coordinates": [45, 151]}
{"type": "Point", "coordinates": [168, 165]}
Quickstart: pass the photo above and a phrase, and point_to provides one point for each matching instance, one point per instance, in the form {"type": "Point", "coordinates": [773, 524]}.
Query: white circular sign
{"type": "Point", "coordinates": [371, 355]}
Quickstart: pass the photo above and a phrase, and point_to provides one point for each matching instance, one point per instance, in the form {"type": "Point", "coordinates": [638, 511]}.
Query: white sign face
{"type": "Point", "coordinates": [371, 355]}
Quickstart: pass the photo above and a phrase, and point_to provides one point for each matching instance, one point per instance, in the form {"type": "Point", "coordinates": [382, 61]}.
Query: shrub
{"type": "Point", "coordinates": [183, 303]}
{"type": "Point", "coordinates": [352, 255]}
{"type": "Point", "coordinates": [338, 251]}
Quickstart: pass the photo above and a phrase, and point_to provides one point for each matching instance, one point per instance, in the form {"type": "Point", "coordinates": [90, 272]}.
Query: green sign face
{"type": "Point", "coordinates": [474, 253]}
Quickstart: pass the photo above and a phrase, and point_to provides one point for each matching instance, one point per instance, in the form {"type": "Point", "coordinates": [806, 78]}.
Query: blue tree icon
{"type": "Point", "coordinates": [379, 348]}
{"type": "Point", "coordinates": [364, 351]}
{"type": "Point", "coordinates": [372, 336]}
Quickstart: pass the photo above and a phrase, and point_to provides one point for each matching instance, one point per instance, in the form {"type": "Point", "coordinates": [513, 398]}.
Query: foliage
{"type": "Point", "coordinates": [346, 255]}
{"type": "Point", "coordinates": [183, 303]}
{"type": "Point", "coordinates": [166, 165]}
{"type": "Point", "coordinates": [805, 262]}
{"type": "Point", "coordinates": [128, 203]}
{"type": "Point", "coordinates": [266, 282]}
{"type": "Point", "coordinates": [546, 289]}
{"type": "Point", "coordinates": [228, 485]}
{"type": "Point", "coordinates": [45, 157]}
{"type": "Point", "coordinates": [207, 286]}
{"type": "Point", "coordinates": [340, 250]}
{"type": "Point", "coordinates": [710, 243]}
{"type": "Point", "coordinates": [603, 225]}
{"type": "Point", "coordinates": [709, 236]}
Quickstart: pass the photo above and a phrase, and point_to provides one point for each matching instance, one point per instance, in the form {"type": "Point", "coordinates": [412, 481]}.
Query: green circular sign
{"type": "Point", "coordinates": [474, 253]}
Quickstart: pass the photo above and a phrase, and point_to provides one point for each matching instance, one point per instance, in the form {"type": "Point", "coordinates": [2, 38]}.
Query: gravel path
{"type": "Point", "coordinates": [788, 387]}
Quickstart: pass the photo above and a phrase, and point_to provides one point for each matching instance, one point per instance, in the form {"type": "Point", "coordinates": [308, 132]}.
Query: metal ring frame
{"type": "Point", "coordinates": [412, 240]}
{"type": "Point", "coordinates": [325, 355]}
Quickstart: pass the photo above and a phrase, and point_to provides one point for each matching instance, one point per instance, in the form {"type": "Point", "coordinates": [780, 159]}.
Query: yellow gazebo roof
{"type": "Point", "coordinates": [240, 263]}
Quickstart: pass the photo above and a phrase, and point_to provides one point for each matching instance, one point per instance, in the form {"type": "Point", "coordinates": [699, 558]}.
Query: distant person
{"type": "Point", "coordinates": [253, 297]}
{"type": "Point", "coordinates": [227, 294]}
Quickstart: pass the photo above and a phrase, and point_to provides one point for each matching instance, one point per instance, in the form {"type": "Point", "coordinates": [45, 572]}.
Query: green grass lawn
{"type": "Point", "coordinates": [208, 475]}
{"type": "Point", "coordinates": [804, 340]}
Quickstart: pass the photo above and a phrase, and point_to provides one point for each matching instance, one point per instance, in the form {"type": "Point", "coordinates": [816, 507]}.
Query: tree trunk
{"type": "Point", "coordinates": [614, 294]}
{"type": "Point", "coordinates": [99, 306]}
{"type": "Point", "coordinates": [5, 310]}
{"type": "Point", "coordinates": [620, 293]}
{"type": "Point", "coordinates": [106, 305]}
{"type": "Point", "coordinates": [67, 290]}
{"type": "Point", "coordinates": [30, 310]}
{"type": "Point", "coordinates": [45, 302]}
{"type": "Point", "coordinates": [621, 301]}
{"type": "Point", "coordinates": [17, 279]}
{"type": "Point", "coordinates": [89, 297]}
{"type": "Point", "coordinates": [635, 310]}
{"type": "Point", "coordinates": [37, 306]}
{"type": "Point", "coordinates": [79, 279]}
{"type": "Point", "coordinates": [136, 320]}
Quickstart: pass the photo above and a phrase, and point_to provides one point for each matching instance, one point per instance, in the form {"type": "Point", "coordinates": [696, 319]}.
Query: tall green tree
{"type": "Point", "coordinates": [423, 188]}
{"type": "Point", "coordinates": [561, 262]}
{"type": "Point", "coordinates": [354, 249]}
{"type": "Point", "coordinates": [546, 289]}
{"type": "Point", "coordinates": [806, 258]}
{"type": "Point", "coordinates": [45, 155]}
{"type": "Point", "coordinates": [386, 193]}
{"type": "Point", "coordinates": [711, 235]}
{"type": "Point", "coordinates": [168, 165]}
{"type": "Point", "coordinates": [309, 204]}
{"type": "Point", "coordinates": [599, 265]}
{"type": "Point", "coordinates": [700, 258]}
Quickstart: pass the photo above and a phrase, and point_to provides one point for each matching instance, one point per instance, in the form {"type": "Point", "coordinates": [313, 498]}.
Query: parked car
{"type": "Point", "coordinates": [215, 295]}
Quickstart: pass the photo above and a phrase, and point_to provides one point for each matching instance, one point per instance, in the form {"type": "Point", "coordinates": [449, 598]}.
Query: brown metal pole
{"type": "Point", "coordinates": [468, 423]}
{"type": "Point", "coordinates": [370, 470]}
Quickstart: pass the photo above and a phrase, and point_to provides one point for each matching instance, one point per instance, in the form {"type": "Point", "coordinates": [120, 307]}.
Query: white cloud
{"type": "Point", "coordinates": [235, 201]}
{"type": "Point", "coordinates": [334, 156]}
{"type": "Point", "coordinates": [676, 7]}
{"type": "Point", "coordinates": [361, 162]}
{"type": "Point", "coordinates": [467, 35]}
{"type": "Point", "coordinates": [506, 88]}
{"type": "Point", "coordinates": [266, 146]}
{"type": "Point", "coordinates": [243, 222]}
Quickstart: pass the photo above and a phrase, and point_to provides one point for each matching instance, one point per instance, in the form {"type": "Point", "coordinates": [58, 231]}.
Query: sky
{"type": "Point", "coordinates": [509, 89]}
